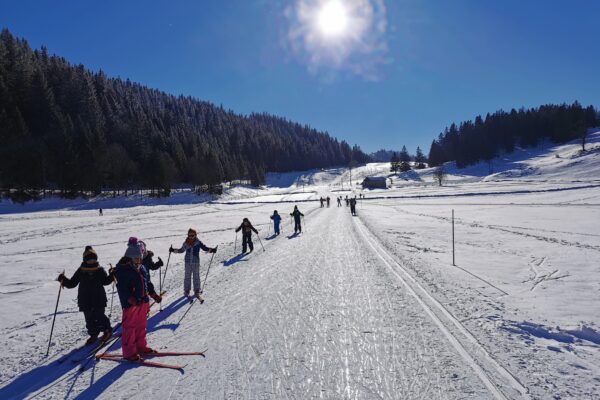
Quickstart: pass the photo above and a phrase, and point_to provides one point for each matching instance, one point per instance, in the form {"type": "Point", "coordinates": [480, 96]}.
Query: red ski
{"type": "Point", "coordinates": [161, 354]}
{"type": "Point", "coordinates": [140, 362]}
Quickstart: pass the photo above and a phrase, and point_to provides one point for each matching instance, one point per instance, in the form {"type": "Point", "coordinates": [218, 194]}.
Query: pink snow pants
{"type": "Point", "coordinates": [135, 321]}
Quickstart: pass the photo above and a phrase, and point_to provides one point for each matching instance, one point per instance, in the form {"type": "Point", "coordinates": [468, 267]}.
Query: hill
{"type": "Point", "coordinates": [77, 130]}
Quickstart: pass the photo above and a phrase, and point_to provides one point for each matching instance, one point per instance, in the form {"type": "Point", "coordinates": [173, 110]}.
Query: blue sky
{"type": "Point", "coordinates": [429, 64]}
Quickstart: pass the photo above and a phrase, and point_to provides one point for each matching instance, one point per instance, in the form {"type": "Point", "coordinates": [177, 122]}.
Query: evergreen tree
{"type": "Point", "coordinates": [404, 158]}
{"type": "Point", "coordinates": [420, 158]}
{"type": "Point", "coordinates": [394, 163]}
{"type": "Point", "coordinates": [81, 131]}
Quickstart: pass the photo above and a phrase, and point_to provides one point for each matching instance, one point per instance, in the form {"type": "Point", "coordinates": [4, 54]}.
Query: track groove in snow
{"type": "Point", "coordinates": [428, 303]}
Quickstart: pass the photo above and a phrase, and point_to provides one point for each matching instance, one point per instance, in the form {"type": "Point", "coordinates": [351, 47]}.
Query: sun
{"type": "Point", "coordinates": [332, 19]}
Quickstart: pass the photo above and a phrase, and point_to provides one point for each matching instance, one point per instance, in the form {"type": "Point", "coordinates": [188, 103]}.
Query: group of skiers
{"type": "Point", "coordinates": [134, 286]}
{"type": "Point", "coordinates": [323, 200]}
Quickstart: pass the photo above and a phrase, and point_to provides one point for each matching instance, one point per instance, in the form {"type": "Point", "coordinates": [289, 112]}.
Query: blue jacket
{"type": "Point", "coordinates": [276, 219]}
{"type": "Point", "coordinates": [131, 283]}
{"type": "Point", "coordinates": [192, 252]}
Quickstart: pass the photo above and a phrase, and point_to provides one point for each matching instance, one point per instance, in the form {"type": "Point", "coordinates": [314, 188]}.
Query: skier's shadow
{"type": "Point", "coordinates": [31, 381]}
{"type": "Point", "coordinates": [233, 260]}
{"type": "Point", "coordinates": [98, 387]}
{"type": "Point", "coordinates": [273, 236]}
{"type": "Point", "coordinates": [293, 236]}
{"type": "Point", "coordinates": [37, 378]}
{"type": "Point", "coordinates": [155, 320]}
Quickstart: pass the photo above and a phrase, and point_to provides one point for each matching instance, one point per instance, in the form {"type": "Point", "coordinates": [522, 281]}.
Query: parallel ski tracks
{"type": "Point", "coordinates": [442, 318]}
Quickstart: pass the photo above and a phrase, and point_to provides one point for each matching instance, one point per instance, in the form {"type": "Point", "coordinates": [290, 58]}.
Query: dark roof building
{"type": "Point", "coordinates": [375, 182]}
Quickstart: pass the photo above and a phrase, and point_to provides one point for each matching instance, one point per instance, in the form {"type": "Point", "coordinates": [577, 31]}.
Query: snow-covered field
{"type": "Point", "coordinates": [366, 307]}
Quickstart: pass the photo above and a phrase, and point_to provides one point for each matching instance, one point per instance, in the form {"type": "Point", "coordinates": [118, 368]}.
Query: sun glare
{"type": "Point", "coordinates": [333, 18]}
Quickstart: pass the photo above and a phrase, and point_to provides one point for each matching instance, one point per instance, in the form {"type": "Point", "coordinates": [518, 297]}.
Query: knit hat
{"type": "Point", "coordinates": [89, 254]}
{"type": "Point", "coordinates": [133, 252]}
{"type": "Point", "coordinates": [192, 232]}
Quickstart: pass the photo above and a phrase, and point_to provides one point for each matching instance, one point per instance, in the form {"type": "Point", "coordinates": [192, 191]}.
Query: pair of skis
{"type": "Point", "coordinates": [119, 358]}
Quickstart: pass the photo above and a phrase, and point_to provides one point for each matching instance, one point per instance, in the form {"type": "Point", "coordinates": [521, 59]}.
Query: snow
{"type": "Point", "coordinates": [354, 307]}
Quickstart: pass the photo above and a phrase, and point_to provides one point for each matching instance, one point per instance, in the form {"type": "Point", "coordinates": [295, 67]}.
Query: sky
{"type": "Point", "coordinates": [378, 73]}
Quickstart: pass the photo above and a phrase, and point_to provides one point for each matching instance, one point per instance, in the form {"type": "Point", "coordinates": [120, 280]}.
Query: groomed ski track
{"type": "Point", "coordinates": [327, 314]}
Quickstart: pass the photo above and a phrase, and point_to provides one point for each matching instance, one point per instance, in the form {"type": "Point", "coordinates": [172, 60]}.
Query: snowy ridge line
{"type": "Point", "coordinates": [426, 298]}
{"type": "Point", "coordinates": [234, 202]}
{"type": "Point", "coordinates": [471, 194]}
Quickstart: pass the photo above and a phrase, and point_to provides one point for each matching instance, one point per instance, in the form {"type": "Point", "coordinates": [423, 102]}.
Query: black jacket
{"type": "Point", "coordinates": [150, 264]}
{"type": "Point", "coordinates": [91, 281]}
{"type": "Point", "coordinates": [297, 214]}
{"type": "Point", "coordinates": [246, 229]}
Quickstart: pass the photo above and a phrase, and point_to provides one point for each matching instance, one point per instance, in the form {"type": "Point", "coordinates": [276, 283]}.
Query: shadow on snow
{"type": "Point", "coordinates": [235, 259]}
{"type": "Point", "coordinates": [57, 371]}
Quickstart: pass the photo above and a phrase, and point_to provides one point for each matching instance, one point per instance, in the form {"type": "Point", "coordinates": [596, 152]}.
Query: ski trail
{"type": "Point", "coordinates": [428, 303]}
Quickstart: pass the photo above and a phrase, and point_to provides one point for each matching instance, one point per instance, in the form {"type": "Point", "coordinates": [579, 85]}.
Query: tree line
{"type": "Point", "coordinates": [66, 128]}
{"type": "Point", "coordinates": [484, 139]}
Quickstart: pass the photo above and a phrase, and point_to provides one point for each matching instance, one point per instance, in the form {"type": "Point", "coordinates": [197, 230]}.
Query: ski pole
{"type": "Point", "coordinates": [209, 264]}
{"type": "Point", "coordinates": [166, 268]}
{"type": "Point", "coordinates": [160, 291]}
{"type": "Point", "coordinates": [112, 296]}
{"type": "Point", "coordinates": [261, 245]}
{"type": "Point", "coordinates": [54, 318]}
{"type": "Point", "coordinates": [269, 228]}
{"type": "Point", "coordinates": [304, 223]}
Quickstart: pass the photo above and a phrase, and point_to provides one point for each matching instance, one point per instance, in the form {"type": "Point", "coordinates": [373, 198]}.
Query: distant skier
{"type": "Point", "coordinates": [100, 212]}
{"type": "Point", "coordinates": [297, 221]}
{"type": "Point", "coordinates": [339, 201]}
{"type": "Point", "coordinates": [246, 228]}
{"type": "Point", "coordinates": [322, 201]}
{"type": "Point", "coordinates": [132, 287]}
{"type": "Point", "coordinates": [347, 201]}
{"type": "Point", "coordinates": [353, 205]}
{"type": "Point", "coordinates": [192, 247]}
{"type": "Point", "coordinates": [276, 221]}
{"type": "Point", "coordinates": [328, 201]}
{"type": "Point", "coordinates": [91, 297]}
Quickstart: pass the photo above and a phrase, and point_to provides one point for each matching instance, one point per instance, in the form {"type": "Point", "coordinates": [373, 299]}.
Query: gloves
{"type": "Point", "coordinates": [159, 263]}
{"type": "Point", "coordinates": [133, 301]}
{"type": "Point", "coordinates": [157, 298]}
{"type": "Point", "coordinates": [60, 277]}
{"type": "Point", "coordinates": [171, 249]}
{"type": "Point", "coordinates": [213, 250]}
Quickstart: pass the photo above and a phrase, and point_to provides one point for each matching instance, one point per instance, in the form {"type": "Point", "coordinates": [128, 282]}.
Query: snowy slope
{"type": "Point", "coordinates": [355, 307]}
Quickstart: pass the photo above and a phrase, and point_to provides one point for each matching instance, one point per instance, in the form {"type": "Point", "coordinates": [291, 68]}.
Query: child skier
{"type": "Point", "coordinates": [147, 266]}
{"type": "Point", "coordinates": [246, 228]}
{"type": "Point", "coordinates": [133, 294]}
{"type": "Point", "coordinates": [276, 221]}
{"type": "Point", "coordinates": [191, 247]}
{"type": "Point", "coordinates": [297, 222]}
{"type": "Point", "coordinates": [91, 297]}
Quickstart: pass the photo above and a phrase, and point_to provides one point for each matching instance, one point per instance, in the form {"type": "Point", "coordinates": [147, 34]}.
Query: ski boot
{"type": "Point", "coordinates": [91, 339]}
